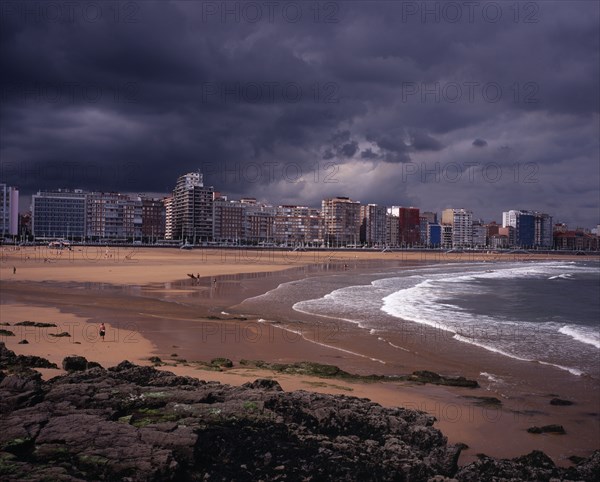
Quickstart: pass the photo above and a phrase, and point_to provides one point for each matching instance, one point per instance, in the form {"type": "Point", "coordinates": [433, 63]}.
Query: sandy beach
{"type": "Point", "coordinates": [152, 307]}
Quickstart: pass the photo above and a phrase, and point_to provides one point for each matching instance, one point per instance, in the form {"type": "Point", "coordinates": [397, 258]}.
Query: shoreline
{"type": "Point", "coordinates": [178, 316]}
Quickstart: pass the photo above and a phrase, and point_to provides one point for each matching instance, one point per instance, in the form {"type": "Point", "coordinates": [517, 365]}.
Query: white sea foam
{"type": "Point", "coordinates": [297, 308]}
{"type": "Point", "coordinates": [398, 347]}
{"type": "Point", "coordinates": [491, 348]}
{"type": "Point", "coordinates": [491, 377]}
{"type": "Point", "coordinates": [428, 303]}
{"type": "Point", "coordinates": [433, 297]}
{"type": "Point", "coordinates": [572, 371]}
{"type": "Point", "coordinates": [585, 335]}
{"type": "Point", "coordinates": [333, 347]}
{"type": "Point", "coordinates": [392, 345]}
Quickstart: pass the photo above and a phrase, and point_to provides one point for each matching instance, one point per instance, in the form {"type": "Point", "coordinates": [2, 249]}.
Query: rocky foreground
{"type": "Point", "coordinates": [141, 424]}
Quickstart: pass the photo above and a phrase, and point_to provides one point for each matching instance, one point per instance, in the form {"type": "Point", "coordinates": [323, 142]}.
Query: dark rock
{"type": "Point", "coordinates": [560, 402]}
{"type": "Point", "coordinates": [155, 359]}
{"type": "Point", "coordinates": [60, 335]}
{"type": "Point", "coordinates": [553, 428]}
{"type": "Point", "coordinates": [36, 324]}
{"type": "Point", "coordinates": [576, 459]}
{"type": "Point", "coordinates": [6, 333]}
{"type": "Point", "coordinates": [587, 469]}
{"type": "Point", "coordinates": [74, 363]}
{"type": "Point", "coordinates": [534, 466]}
{"type": "Point", "coordinates": [485, 401]}
{"type": "Point", "coordinates": [141, 424]}
{"type": "Point", "coordinates": [425, 376]}
{"type": "Point", "coordinates": [221, 362]}
{"type": "Point", "coordinates": [332, 371]}
{"type": "Point", "coordinates": [13, 362]}
{"type": "Point", "coordinates": [264, 384]}
{"type": "Point", "coordinates": [150, 376]}
{"type": "Point", "coordinates": [124, 365]}
{"type": "Point", "coordinates": [23, 342]}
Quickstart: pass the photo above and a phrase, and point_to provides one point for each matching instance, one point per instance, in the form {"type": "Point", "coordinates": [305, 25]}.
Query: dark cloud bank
{"type": "Point", "coordinates": [443, 104]}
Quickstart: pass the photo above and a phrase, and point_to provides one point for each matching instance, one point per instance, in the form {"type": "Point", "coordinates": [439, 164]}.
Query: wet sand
{"type": "Point", "coordinates": [152, 308]}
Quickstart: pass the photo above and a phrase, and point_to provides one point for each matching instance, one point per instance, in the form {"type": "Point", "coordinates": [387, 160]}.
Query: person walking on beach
{"type": "Point", "coordinates": [14, 270]}
{"type": "Point", "coordinates": [102, 331]}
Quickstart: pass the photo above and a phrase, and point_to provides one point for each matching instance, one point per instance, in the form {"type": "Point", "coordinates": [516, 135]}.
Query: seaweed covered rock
{"type": "Point", "coordinates": [176, 428]}
{"type": "Point", "coordinates": [8, 360]}
{"type": "Point", "coordinates": [141, 424]}
{"type": "Point", "coordinates": [74, 363]}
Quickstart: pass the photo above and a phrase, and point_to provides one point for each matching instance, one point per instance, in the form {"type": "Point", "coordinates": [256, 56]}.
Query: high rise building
{"type": "Point", "coordinates": [373, 228]}
{"type": "Point", "coordinates": [391, 227]}
{"type": "Point", "coordinates": [259, 222]}
{"type": "Point", "coordinates": [509, 233]}
{"type": "Point", "coordinates": [425, 219]}
{"type": "Point", "coordinates": [434, 235]}
{"type": "Point", "coordinates": [461, 221]}
{"type": "Point", "coordinates": [59, 214]}
{"type": "Point", "coordinates": [153, 219]}
{"type": "Point", "coordinates": [228, 219]}
{"type": "Point", "coordinates": [341, 217]}
{"type": "Point", "coordinates": [169, 217]}
{"type": "Point", "coordinates": [491, 229]}
{"type": "Point", "coordinates": [524, 224]}
{"type": "Point", "coordinates": [9, 210]}
{"type": "Point", "coordinates": [446, 236]}
{"type": "Point", "coordinates": [192, 209]}
{"type": "Point", "coordinates": [298, 225]}
{"type": "Point", "coordinates": [479, 234]}
{"type": "Point", "coordinates": [543, 230]}
{"type": "Point", "coordinates": [409, 225]}
{"type": "Point", "coordinates": [113, 216]}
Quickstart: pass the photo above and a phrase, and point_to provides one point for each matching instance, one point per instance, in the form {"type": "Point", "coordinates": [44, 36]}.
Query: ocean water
{"type": "Point", "coordinates": [548, 312]}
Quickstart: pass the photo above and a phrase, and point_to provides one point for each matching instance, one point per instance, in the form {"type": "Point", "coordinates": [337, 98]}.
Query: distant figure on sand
{"type": "Point", "coordinates": [14, 270]}
{"type": "Point", "coordinates": [102, 331]}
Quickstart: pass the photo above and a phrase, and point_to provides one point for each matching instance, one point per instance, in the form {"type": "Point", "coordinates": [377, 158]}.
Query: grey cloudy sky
{"type": "Point", "coordinates": [484, 105]}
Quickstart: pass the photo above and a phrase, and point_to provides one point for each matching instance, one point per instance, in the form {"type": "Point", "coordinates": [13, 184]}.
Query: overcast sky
{"type": "Point", "coordinates": [489, 106]}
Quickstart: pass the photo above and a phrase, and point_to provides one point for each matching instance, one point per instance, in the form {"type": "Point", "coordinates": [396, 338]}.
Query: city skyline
{"type": "Point", "coordinates": [488, 104]}
{"type": "Point", "coordinates": [194, 211]}
{"type": "Point", "coordinates": [316, 204]}
{"type": "Point", "coordinates": [27, 201]}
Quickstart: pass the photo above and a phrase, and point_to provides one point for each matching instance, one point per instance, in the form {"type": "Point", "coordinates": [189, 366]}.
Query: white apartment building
{"type": "Point", "coordinates": [59, 214]}
{"type": "Point", "coordinates": [373, 228]}
{"type": "Point", "coordinates": [461, 221]}
{"type": "Point", "coordinates": [9, 210]}
{"type": "Point", "coordinates": [341, 216]}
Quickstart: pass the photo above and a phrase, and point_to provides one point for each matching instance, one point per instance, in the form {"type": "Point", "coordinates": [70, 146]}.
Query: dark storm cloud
{"type": "Point", "coordinates": [422, 141]}
{"type": "Point", "coordinates": [146, 91]}
{"type": "Point", "coordinates": [348, 150]}
{"type": "Point", "coordinates": [369, 154]}
{"type": "Point", "coordinates": [480, 142]}
{"type": "Point", "coordinates": [328, 154]}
